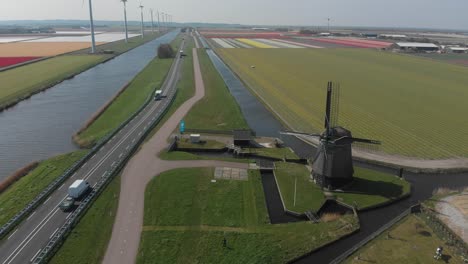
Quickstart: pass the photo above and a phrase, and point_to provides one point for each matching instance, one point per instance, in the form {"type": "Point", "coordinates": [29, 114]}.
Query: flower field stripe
{"type": "Point", "coordinates": [298, 44]}
{"type": "Point", "coordinates": [255, 44]}
{"type": "Point", "coordinates": [279, 44]}
{"type": "Point", "coordinates": [222, 43]}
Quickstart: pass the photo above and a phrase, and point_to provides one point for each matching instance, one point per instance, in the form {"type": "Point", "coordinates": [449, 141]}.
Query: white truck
{"type": "Point", "coordinates": [158, 95]}
{"type": "Point", "coordinates": [78, 188]}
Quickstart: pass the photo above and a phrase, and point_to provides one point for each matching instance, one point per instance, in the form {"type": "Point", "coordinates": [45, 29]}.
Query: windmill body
{"type": "Point", "coordinates": [332, 166]}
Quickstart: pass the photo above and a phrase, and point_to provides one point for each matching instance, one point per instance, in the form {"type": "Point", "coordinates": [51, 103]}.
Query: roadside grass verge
{"type": "Point", "coordinates": [18, 195]}
{"type": "Point", "coordinates": [410, 241]}
{"type": "Point", "coordinates": [292, 177]}
{"type": "Point", "coordinates": [127, 103]}
{"type": "Point", "coordinates": [218, 110]}
{"type": "Point", "coordinates": [88, 241]}
{"type": "Point", "coordinates": [187, 217]}
{"type": "Point", "coordinates": [21, 82]}
{"type": "Point", "coordinates": [182, 155]}
{"type": "Point", "coordinates": [371, 188]}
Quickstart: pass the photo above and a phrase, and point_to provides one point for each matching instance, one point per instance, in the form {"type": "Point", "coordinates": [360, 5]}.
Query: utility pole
{"type": "Point", "coordinates": [328, 25]}
{"type": "Point", "coordinates": [93, 41]}
{"type": "Point", "coordinates": [142, 26]}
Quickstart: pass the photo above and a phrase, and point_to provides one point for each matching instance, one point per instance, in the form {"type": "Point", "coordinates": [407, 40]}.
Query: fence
{"type": "Point", "coordinates": [379, 231]}
{"type": "Point", "coordinates": [444, 232]}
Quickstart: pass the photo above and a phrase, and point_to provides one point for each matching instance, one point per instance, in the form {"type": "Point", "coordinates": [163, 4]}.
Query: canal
{"type": "Point", "coordinates": [42, 126]}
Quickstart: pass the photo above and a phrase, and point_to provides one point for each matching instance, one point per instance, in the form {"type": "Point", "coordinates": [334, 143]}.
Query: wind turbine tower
{"type": "Point", "coordinates": [152, 22]}
{"type": "Point", "coordinates": [142, 26]}
{"type": "Point", "coordinates": [125, 18]}
{"type": "Point", "coordinates": [93, 41]}
{"type": "Point", "coordinates": [159, 26]}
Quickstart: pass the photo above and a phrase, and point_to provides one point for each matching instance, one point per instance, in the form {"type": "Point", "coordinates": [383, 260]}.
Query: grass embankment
{"type": "Point", "coordinates": [26, 80]}
{"type": "Point", "coordinates": [413, 105]}
{"type": "Point", "coordinates": [88, 241]}
{"type": "Point", "coordinates": [290, 177]}
{"type": "Point", "coordinates": [371, 188]}
{"type": "Point", "coordinates": [276, 153]}
{"type": "Point", "coordinates": [218, 110]}
{"type": "Point", "coordinates": [410, 241]}
{"type": "Point", "coordinates": [187, 217]}
{"type": "Point", "coordinates": [18, 195]}
{"type": "Point", "coordinates": [203, 144]}
{"type": "Point", "coordinates": [182, 155]}
{"type": "Point", "coordinates": [128, 102]}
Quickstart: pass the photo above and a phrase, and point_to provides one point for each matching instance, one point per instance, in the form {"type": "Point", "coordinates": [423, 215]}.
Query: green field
{"type": "Point", "coordinates": [369, 188]}
{"type": "Point", "coordinates": [276, 153]}
{"type": "Point", "coordinates": [218, 110]}
{"type": "Point", "coordinates": [411, 241]}
{"type": "Point", "coordinates": [17, 196]}
{"type": "Point", "coordinates": [127, 103]}
{"type": "Point", "coordinates": [23, 81]}
{"type": "Point", "coordinates": [187, 217]}
{"type": "Point", "coordinates": [87, 242]}
{"type": "Point", "coordinates": [308, 195]}
{"type": "Point", "coordinates": [415, 106]}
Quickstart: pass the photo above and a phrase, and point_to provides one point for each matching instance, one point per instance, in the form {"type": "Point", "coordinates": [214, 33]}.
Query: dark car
{"type": "Point", "coordinates": [67, 204]}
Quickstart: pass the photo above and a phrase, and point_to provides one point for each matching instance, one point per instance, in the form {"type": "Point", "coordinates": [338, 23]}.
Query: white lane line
{"type": "Point", "coordinates": [139, 134]}
{"type": "Point", "coordinates": [47, 200]}
{"type": "Point", "coordinates": [93, 156]}
{"type": "Point", "coordinates": [149, 123]}
{"type": "Point", "coordinates": [49, 216]}
{"type": "Point", "coordinates": [94, 185]}
{"type": "Point", "coordinates": [113, 163]}
{"type": "Point", "coordinates": [133, 140]}
{"type": "Point", "coordinates": [144, 128]}
{"type": "Point", "coordinates": [12, 234]}
{"type": "Point", "coordinates": [82, 166]}
{"type": "Point", "coordinates": [54, 233]}
{"type": "Point", "coordinates": [61, 186]}
{"type": "Point", "coordinates": [68, 216]}
{"type": "Point", "coordinates": [120, 156]}
{"type": "Point", "coordinates": [74, 174]}
{"type": "Point", "coordinates": [127, 147]}
{"type": "Point", "coordinates": [30, 216]}
{"type": "Point", "coordinates": [35, 255]}
{"type": "Point", "coordinates": [28, 239]}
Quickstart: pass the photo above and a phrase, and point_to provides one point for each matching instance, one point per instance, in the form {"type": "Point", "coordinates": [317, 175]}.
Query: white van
{"type": "Point", "coordinates": [158, 95]}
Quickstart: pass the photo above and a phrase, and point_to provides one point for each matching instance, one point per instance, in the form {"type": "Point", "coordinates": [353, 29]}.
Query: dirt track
{"type": "Point", "coordinates": [123, 245]}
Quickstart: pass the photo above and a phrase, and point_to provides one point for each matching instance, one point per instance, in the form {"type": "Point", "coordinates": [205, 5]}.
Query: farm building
{"type": "Point", "coordinates": [456, 49]}
{"type": "Point", "coordinates": [415, 47]}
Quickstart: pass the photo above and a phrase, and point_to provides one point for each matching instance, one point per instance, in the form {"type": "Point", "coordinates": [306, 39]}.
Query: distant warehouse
{"type": "Point", "coordinates": [415, 47]}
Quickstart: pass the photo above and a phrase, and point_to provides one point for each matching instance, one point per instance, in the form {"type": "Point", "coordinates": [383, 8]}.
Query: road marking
{"type": "Point", "coordinates": [35, 255]}
{"type": "Point", "coordinates": [127, 147]}
{"type": "Point", "coordinates": [28, 239]}
{"type": "Point", "coordinates": [30, 216]}
{"type": "Point", "coordinates": [68, 216]}
{"type": "Point", "coordinates": [61, 186]}
{"type": "Point", "coordinates": [133, 140]}
{"type": "Point", "coordinates": [95, 184]}
{"type": "Point", "coordinates": [113, 163]}
{"type": "Point", "coordinates": [144, 128]}
{"type": "Point", "coordinates": [93, 156]}
{"type": "Point", "coordinates": [82, 166]}
{"type": "Point", "coordinates": [120, 156]}
{"type": "Point", "coordinates": [149, 123]}
{"type": "Point", "coordinates": [104, 174]}
{"type": "Point", "coordinates": [12, 234]}
{"type": "Point", "coordinates": [47, 200]}
{"type": "Point", "coordinates": [54, 233]}
{"type": "Point", "coordinates": [139, 134]}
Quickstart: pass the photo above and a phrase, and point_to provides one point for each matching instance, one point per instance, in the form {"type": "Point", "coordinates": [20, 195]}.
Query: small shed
{"type": "Point", "coordinates": [242, 137]}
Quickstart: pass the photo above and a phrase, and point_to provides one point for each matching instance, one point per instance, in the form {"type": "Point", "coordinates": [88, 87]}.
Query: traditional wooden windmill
{"type": "Point", "coordinates": [332, 166]}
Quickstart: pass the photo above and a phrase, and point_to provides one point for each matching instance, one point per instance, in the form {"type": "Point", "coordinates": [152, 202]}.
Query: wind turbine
{"type": "Point", "coordinates": [159, 27]}
{"type": "Point", "coordinates": [142, 27]}
{"type": "Point", "coordinates": [162, 18]}
{"type": "Point", "coordinates": [93, 41]}
{"type": "Point", "coordinates": [125, 17]}
{"type": "Point", "coordinates": [152, 22]}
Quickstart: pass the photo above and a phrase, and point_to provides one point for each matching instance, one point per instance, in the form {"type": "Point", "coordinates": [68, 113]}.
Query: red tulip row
{"type": "Point", "coordinates": [9, 61]}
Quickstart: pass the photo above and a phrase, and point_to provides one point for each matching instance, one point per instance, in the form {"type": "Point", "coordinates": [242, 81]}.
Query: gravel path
{"type": "Point", "coordinates": [123, 245]}
{"type": "Point", "coordinates": [455, 218]}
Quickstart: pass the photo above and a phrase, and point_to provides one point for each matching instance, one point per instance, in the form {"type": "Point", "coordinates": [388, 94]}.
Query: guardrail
{"type": "Point", "coordinates": [379, 231]}
{"type": "Point", "coordinates": [76, 215]}
{"type": "Point", "coordinates": [15, 220]}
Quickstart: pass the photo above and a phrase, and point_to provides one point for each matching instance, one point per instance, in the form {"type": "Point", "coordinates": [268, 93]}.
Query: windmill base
{"type": "Point", "coordinates": [330, 183]}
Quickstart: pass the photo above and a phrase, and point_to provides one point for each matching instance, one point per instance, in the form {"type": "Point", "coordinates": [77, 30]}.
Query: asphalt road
{"type": "Point", "coordinates": [25, 242]}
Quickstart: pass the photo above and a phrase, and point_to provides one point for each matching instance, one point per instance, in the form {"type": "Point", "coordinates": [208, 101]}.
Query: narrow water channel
{"type": "Point", "coordinates": [42, 126]}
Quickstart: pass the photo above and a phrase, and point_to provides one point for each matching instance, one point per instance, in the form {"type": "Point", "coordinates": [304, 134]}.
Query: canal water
{"type": "Point", "coordinates": [42, 126]}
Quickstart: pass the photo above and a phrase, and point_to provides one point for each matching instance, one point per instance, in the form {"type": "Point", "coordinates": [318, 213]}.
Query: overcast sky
{"type": "Point", "coordinates": [449, 14]}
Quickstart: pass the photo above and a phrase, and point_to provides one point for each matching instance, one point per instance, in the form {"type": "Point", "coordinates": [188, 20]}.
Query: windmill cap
{"type": "Point", "coordinates": [339, 132]}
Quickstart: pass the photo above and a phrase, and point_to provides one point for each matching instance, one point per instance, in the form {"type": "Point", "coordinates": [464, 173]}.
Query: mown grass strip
{"type": "Point", "coordinates": [23, 81]}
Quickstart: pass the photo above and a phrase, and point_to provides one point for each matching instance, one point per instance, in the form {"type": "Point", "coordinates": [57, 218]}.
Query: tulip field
{"type": "Point", "coordinates": [415, 106]}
